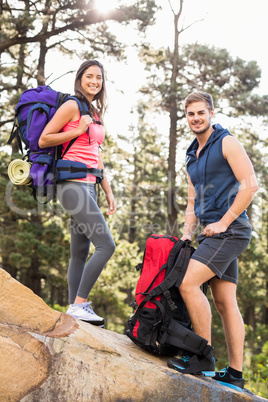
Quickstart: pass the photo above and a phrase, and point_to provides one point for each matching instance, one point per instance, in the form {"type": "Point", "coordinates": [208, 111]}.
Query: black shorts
{"type": "Point", "coordinates": [220, 251]}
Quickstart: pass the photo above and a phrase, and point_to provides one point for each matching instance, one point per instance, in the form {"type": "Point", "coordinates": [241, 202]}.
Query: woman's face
{"type": "Point", "coordinates": [91, 81]}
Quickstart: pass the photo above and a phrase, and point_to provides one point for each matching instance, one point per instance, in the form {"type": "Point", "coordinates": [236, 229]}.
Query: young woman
{"type": "Point", "coordinates": [78, 196]}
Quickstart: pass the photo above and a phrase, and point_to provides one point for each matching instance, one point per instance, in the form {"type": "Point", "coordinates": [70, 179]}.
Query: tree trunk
{"type": "Point", "coordinates": [8, 267]}
{"type": "Point", "coordinates": [265, 225]}
{"type": "Point", "coordinates": [172, 228]}
{"type": "Point", "coordinates": [172, 210]}
{"type": "Point", "coordinates": [266, 307]}
{"type": "Point", "coordinates": [21, 63]}
{"type": "Point", "coordinates": [32, 277]}
{"type": "Point", "coordinates": [41, 80]}
{"type": "Point", "coordinates": [250, 318]}
{"type": "Point", "coordinates": [132, 221]}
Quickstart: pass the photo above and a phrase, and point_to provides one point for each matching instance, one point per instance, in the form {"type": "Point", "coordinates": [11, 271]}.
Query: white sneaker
{"type": "Point", "coordinates": [85, 312]}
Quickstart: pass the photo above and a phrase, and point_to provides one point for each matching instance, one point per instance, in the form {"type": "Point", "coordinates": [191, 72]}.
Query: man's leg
{"type": "Point", "coordinates": [224, 295]}
{"type": "Point", "coordinates": [200, 314]}
{"type": "Point", "coordinates": [196, 302]}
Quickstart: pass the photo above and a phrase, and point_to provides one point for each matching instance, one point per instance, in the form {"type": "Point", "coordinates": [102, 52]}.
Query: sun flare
{"type": "Point", "coordinates": [105, 6]}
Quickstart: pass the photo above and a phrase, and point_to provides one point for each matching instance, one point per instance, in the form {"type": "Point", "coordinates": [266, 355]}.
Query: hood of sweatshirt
{"type": "Point", "coordinates": [218, 132]}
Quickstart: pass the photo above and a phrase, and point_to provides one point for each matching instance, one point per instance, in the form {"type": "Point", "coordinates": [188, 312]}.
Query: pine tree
{"type": "Point", "coordinates": [29, 31]}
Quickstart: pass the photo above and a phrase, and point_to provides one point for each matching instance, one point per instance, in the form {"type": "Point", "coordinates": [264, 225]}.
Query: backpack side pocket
{"type": "Point", "coordinates": [41, 170]}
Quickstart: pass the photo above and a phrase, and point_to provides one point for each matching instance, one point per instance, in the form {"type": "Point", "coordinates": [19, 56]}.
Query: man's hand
{"type": "Point", "coordinates": [186, 238]}
{"type": "Point", "coordinates": [214, 228]}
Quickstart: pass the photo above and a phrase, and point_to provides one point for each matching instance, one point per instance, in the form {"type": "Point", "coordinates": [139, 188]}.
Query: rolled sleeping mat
{"type": "Point", "coordinates": [19, 172]}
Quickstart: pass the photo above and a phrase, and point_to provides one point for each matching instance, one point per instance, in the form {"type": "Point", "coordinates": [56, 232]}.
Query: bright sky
{"type": "Point", "coordinates": [240, 26]}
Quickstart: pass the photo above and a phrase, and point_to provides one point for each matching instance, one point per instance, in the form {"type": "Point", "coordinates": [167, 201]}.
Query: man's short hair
{"type": "Point", "coordinates": [199, 96]}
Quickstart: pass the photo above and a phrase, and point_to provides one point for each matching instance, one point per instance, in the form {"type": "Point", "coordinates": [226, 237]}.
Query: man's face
{"type": "Point", "coordinates": [199, 117]}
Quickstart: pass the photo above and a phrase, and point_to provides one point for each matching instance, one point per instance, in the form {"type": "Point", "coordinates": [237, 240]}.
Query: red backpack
{"type": "Point", "coordinates": [160, 323]}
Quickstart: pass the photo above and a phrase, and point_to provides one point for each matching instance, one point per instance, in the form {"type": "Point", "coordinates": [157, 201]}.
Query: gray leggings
{"type": "Point", "coordinates": [87, 224]}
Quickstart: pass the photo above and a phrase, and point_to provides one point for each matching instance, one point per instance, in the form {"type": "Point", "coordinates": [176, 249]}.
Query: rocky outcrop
{"type": "Point", "coordinates": [48, 356]}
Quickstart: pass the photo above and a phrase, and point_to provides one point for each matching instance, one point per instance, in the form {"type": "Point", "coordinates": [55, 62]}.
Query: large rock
{"type": "Point", "coordinates": [48, 356]}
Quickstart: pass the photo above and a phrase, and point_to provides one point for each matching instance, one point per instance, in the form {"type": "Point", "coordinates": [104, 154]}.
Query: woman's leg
{"type": "Point", "coordinates": [80, 202]}
{"type": "Point", "coordinates": [79, 248]}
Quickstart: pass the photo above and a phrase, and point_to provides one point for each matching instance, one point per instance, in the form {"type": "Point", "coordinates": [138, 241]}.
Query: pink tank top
{"type": "Point", "coordinates": [82, 150]}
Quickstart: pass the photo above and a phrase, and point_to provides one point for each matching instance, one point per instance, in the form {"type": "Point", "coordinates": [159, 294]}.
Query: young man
{"type": "Point", "coordinates": [222, 184]}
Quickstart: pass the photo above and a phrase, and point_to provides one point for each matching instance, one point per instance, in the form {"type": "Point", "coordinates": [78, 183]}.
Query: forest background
{"type": "Point", "coordinates": [152, 63]}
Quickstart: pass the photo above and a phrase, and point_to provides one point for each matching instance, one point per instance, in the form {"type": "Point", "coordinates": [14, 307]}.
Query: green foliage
{"type": "Point", "coordinates": [256, 384]}
{"type": "Point", "coordinates": [259, 362]}
{"type": "Point", "coordinates": [256, 365]}
{"type": "Point", "coordinates": [114, 290]}
{"type": "Point", "coordinates": [140, 177]}
{"type": "Point", "coordinates": [61, 309]}
{"type": "Point", "coordinates": [229, 80]}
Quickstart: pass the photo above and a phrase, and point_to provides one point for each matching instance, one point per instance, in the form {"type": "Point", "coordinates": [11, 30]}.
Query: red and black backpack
{"type": "Point", "coordinates": [161, 323]}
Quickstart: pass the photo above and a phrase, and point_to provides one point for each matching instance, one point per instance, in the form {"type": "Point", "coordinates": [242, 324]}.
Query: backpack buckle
{"type": "Point", "coordinates": [171, 303]}
{"type": "Point", "coordinates": [139, 266]}
{"type": "Point", "coordinates": [157, 323]}
{"type": "Point", "coordinates": [134, 305]}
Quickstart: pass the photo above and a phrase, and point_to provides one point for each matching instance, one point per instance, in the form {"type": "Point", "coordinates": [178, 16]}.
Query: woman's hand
{"type": "Point", "coordinates": [52, 134]}
{"type": "Point", "coordinates": [111, 204]}
{"type": "Point", "coordinates": [84, 123]}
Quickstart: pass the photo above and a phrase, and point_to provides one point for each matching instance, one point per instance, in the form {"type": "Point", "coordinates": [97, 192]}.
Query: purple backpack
{"type": "Point", "coordinates": [35, 109]}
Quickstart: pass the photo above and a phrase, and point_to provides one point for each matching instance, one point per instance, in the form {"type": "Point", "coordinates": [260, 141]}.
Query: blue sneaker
{"type": "Point", "coordinates": [201, 365]}
{"type": "Point", "coordinates": [225, 378]}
